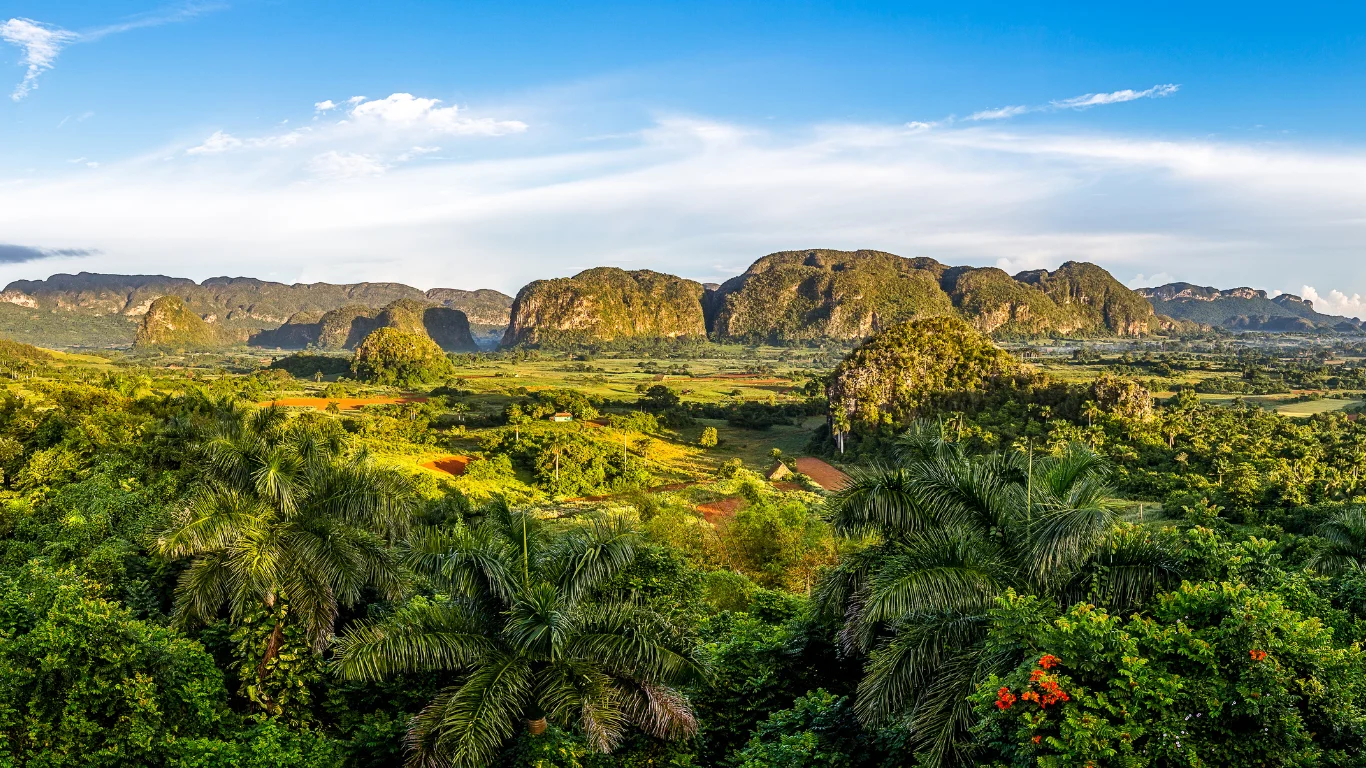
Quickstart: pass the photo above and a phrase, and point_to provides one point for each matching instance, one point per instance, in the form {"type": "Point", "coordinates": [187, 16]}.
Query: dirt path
{"type": "Point", "coordinates": [344, 403]}
{"type": "Point", "coordinates": [826, 476]}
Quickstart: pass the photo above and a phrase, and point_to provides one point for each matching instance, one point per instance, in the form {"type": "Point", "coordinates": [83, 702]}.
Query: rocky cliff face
{"type": "Point", "coordinates": [482, 307]}
{"type": "Point", "coordinates": [168, 323]}
{"type": "Point", "coordinates": [606, 304]}
{"type": "Point", "coordinates": [848, 295]}
{"type": "Point", "coordinates": [347, 327]}
{"type": "Point", "coordinates": [1094, 297]}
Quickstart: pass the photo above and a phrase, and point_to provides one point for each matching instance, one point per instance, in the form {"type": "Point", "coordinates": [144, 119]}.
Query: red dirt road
{"type": "Point", "coordinates": [344, 403]}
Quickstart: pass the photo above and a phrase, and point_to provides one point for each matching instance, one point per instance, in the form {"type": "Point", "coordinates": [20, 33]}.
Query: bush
{"type": "Point", "coordinates": [708, 438]}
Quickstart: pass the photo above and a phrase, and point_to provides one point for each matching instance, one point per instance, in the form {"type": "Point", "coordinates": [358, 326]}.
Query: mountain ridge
{"type": "Point", "coordinates": [1244, 309]}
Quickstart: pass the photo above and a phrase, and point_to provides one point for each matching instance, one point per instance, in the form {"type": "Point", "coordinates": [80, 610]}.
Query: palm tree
{"type": "Point", "coordinates": [1344, 543]}
{"type": "Point", "coordinates": [951, 534]}
{"type": "Point", "coordinates": [285, 515]}
{"type": "Point", "coordinates": [527, 631]}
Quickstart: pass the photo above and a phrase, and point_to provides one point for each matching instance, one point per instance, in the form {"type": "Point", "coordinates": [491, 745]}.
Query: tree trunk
{"type": "Point", "coordinates": [277, 637]}
{"type": "Point", "coordinates": [536, 727]}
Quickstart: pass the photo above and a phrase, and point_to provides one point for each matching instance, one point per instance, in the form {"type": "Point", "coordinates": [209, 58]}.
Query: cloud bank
{"type": "Point", "coordinates": [700, 198]}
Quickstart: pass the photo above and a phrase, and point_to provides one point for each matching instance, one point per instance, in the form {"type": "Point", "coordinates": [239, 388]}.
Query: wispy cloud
{"type": "Point", "coordinates": [1116, 97]}
{"type": "Point", "coordinates": [1085, 101]}
{"type": "Point", "coordinates": [41, 43]}
{"type": "Point", "coordinates": [1000, 114]}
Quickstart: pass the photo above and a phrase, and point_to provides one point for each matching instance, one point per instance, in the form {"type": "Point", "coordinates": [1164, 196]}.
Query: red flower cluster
{"type": "Point", "coordinates": [1049, 693]}
{"type": "Point", "coordinates": [1257, 655]}
{"type": "Point", "coordinates": [1004, 698]}
{"type": "Point", "coordinates": [1049, 661]}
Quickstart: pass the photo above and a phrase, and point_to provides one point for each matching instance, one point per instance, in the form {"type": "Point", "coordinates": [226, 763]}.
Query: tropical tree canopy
{"type": "Point", "coordinates": [526, 630]}
{"type": "Point", "coordinates": [285, 516]}
{"type": "Point", "coordinates": [948, 535]}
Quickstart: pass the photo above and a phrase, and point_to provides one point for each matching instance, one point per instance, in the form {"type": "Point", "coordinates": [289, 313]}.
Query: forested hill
{"type": "Point", "coordinates": [848, 295]}
{"type": "Point", "coordinates": [1244, 309]}
{"type": "Point", "coordinates": [789, 297]}
{"type": "Point", "coordinates": [89, 309]}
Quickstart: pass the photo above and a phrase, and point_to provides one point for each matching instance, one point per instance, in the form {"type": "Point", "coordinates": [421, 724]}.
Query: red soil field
{"type": "Point", "coordinates": [451, 465]}
{"type": "Point", "coordinates": [826, 476]}
{"type": "Point", "coordinates": [344, 403]}
{"type": "Point", "coordinates": [715, 510]}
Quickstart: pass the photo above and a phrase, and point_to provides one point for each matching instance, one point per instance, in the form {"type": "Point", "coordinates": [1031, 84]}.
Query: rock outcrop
{"type": "Point", "coordinates": [606, 304]}
{"type": "Point", "coordinates": [168, 323]}
{"type": "Point", "coordinates": [346, 327]}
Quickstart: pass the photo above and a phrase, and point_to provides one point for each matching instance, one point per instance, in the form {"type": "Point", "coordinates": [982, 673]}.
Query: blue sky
{"type": "Point", "coordinates": [487, 144]}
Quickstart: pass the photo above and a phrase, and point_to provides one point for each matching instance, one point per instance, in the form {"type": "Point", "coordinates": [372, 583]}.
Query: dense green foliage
{"type": "Point", "coordinates": [890, 378]}
{"type": "Point", "coordinates": [391, 356]}
{"type": "Point", "coordinates": [1017, 569]}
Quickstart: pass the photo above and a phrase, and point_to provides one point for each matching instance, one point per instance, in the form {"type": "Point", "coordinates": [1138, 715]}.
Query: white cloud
{"type": "Point", "coordinates": [1149, 281]}
{"type": "Point", "coordinates": [215, 144]}
{"type": "Point", "coordinates": [345, 165]}
{"type": "Point", "coordinates": [40, 43]}
{"type": "Point", "coordinates": [999, 114]}
{"type": "Point", "coordinates": [1116, 97]}
{"type": "Point", "coordinates": [382, 128]}
{"type": "Point", "coordinates": [355, 100]}
{"type": "Point", "coordinates": [407, 111]}
{"type": "Point", "coordinates": [221, 141]}
{"type": "Point", "coordinates": [1336, 302]}
{"type": "Point", "coordinates": [416, 152]}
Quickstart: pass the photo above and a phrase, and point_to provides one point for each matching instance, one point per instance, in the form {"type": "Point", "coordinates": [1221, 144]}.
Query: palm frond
{"type": "Point", "coordinates": [429, 635]}
{"type": "Point", "coordinates": [466, 725]}
{"type": "Point", "coordinates": [1344, 542]}
{"type": "Point", "coordinates": [593, 554]}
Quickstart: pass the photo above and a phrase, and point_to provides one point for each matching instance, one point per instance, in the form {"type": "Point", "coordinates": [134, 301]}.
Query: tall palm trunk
{"type": "Point", "coordinates": [277, 638]}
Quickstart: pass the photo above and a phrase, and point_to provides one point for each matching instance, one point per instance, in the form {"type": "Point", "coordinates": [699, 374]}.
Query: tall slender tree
{"type": "Point", "coordinates": [528, 634]}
